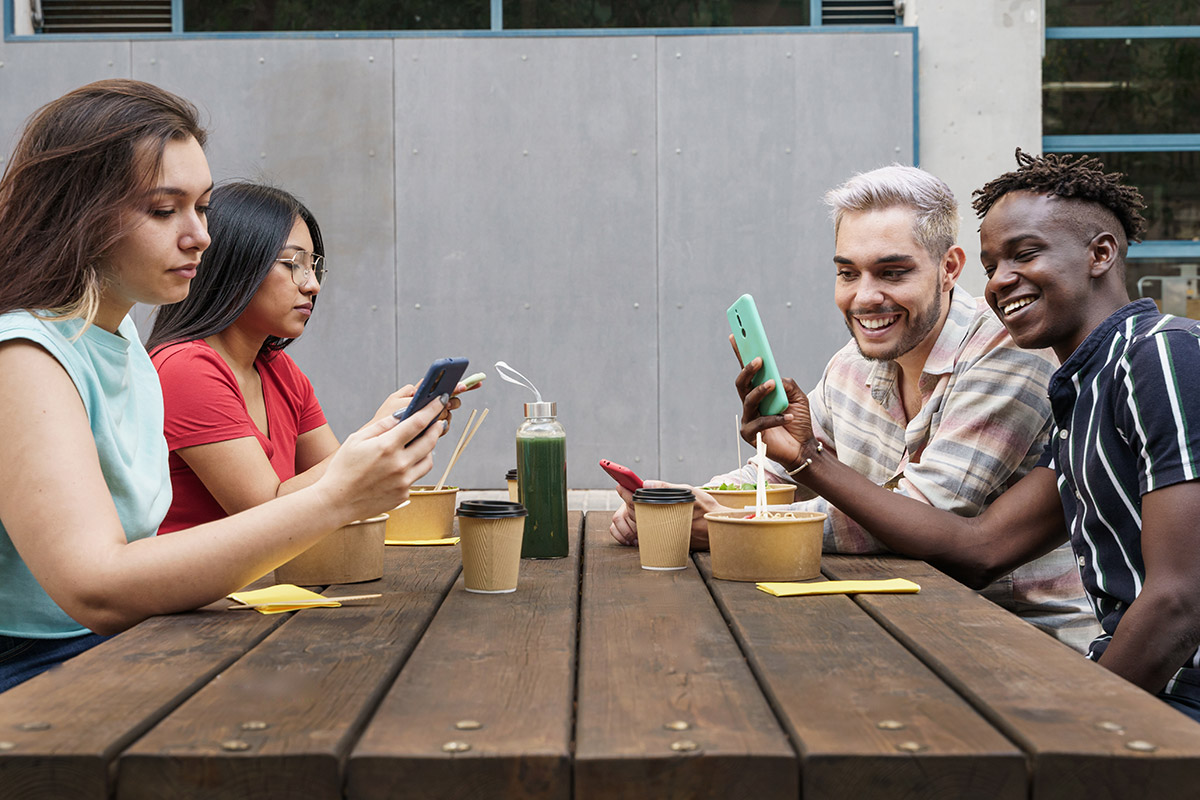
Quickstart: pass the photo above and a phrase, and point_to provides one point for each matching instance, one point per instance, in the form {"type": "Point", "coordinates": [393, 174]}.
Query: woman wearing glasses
{"type": "Point", "coordinates": [103, 205]}
{"type": "Point", "coordinates": [242, 422]}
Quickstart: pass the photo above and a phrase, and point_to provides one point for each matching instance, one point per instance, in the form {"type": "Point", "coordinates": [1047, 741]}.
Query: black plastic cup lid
{"type": "Point", "coordinates": [665, 495]}
{"type": "Point", "coordinates": [491, 509]}
{"type": "Point", "coordinates": [511, 474]}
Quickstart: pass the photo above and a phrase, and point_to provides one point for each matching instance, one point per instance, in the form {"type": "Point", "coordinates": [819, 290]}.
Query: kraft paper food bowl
{"type": "Point", "coordinates": [778, 494]}
{"type": "Point", "coordinates": [351, 554]}
{"type": "Point", "coordinates": [428, 515]}
{"type": "Point", "coordinates": [771, 549]}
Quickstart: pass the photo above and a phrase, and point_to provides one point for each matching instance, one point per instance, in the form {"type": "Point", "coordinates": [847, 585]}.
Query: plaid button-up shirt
{"type": "Point", "coordinates": [982, 426]}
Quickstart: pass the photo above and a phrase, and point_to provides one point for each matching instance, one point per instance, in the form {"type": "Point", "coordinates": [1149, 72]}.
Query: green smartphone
{"type": "Point", "coordinates": [751, 341]}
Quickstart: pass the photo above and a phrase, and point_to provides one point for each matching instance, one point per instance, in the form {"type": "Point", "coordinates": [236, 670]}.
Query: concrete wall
{"type": "Point", "coordinates": [980, 98]}
{"type": "Point", "coordinates": [584, 208]}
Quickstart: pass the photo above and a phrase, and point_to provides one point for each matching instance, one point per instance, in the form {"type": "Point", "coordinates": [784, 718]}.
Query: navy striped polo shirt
{"type": "Point", "coordinates": [1126, 409]}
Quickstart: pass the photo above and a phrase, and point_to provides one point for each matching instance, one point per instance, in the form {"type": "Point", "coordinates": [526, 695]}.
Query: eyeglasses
{"type": "Point", "coordinates": [303, 264]}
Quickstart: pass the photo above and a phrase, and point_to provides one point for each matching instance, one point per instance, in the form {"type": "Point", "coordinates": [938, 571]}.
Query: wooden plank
{"type": "Point", "coordinates": [654, 650]}
{"type": "Point", "coordinates": [505, 662]}
{"type": "Point", "coordinates": [1074, 718]}
{"type": "Point", "coordinates": [868, 719]}
{"type": "Point", "coordinates": [280, 722]}
{"type": "Point", "coordinates": [60, 731]}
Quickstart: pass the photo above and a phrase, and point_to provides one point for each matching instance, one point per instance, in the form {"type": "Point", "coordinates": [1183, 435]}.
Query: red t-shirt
{"type": "Point", "coordinates": [203, 405]}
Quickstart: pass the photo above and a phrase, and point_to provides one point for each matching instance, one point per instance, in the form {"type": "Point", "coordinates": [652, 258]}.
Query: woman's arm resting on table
{"type": "Point", "coordinates": [57, 509]}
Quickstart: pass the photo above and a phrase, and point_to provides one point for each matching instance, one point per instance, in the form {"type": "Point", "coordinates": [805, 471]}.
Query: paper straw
{"type": "Point", "coordinates": [737, 441]}
{"type": "Point", "coordinates": [462, 445]}
{"type": "Point", "coordinates": [454, 454]}
{"type": "Point", "coordinates": [760, 485]}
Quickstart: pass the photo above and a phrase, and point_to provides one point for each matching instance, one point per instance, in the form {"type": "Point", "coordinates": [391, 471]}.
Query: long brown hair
{"type": "Point", "coordinates": [80, 163]}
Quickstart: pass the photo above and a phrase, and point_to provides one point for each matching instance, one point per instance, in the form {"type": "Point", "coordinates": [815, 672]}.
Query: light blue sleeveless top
{"type": "Point", "coordinates": [123, 400]}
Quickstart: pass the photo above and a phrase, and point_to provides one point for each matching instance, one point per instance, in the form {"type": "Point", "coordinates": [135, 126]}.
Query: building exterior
{"type": "Point", "coordinates": [581, 189]}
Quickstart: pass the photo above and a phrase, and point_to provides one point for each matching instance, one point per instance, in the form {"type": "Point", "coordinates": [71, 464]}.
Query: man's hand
{"type": "Point", "coordinates": [786, 434]}
{"type": "Point", "coordinates": [624, 522]}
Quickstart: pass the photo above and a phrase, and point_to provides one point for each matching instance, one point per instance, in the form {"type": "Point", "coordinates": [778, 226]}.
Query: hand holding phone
{"type": "Point", "coordinates": [622, 475]}
{"type": "Point", "coordinates": [750, 338]}
{"type": "Point", "coordinates": [441, 378]}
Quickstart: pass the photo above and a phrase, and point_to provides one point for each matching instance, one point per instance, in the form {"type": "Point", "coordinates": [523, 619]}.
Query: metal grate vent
{"type": "Point", "coordinates": [103, 16]}
{"type": "Point", "coordinates": [860, 12]}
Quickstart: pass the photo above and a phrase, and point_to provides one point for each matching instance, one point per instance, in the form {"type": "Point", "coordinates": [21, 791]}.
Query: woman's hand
{"type": "Point", "coordinates": [373, 469]}
{"type": "Point", "coordinates": [624, 522]}
{"type": "Point", "coordinates": [400, 399]}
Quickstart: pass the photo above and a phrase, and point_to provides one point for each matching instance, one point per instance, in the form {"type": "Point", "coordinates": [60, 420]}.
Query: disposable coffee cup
{"type": "Point", "coordinates": [664, 523]}
{"type": "Point", "coordinates": [511, 478]}
{"type": "Point", "coordinates": [491, 532]}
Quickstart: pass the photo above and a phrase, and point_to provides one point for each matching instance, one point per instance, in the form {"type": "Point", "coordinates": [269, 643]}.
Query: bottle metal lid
{"type": "Point", "coordinates": [541, 409]}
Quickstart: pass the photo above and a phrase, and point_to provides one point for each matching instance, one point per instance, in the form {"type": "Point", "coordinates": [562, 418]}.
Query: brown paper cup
{"type": "Point", "coordinates": [664, 533]}
{"type": "Point", "coordinates": [491, 553]}
{"type": "Point", "coordinates": [428, 515]}
{"type": "Point", "coordinates": [512, 492]}
{"type": "Point", "coordinates": [351, 554]}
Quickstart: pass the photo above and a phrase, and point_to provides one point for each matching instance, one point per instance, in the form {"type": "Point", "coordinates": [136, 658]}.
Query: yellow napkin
{"type": "Point", "coordinates": [891, 586]}
{"type": "Point", "coordinates": [451, 540]}
{"type": "Point", "coordinates": [283, 597]}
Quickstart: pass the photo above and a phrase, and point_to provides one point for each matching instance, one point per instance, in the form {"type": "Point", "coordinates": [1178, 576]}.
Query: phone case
{"type": "Point", "coordinates": [751, 340]}
{"type": "Point", "coordinates": [622, 475]}
{"type": "Point", "coordinates": [441, 378]}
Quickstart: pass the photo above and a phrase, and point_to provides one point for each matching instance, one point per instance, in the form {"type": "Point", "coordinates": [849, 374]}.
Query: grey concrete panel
{"type": "Point", "coordinates": [35, 73]}
{"type": "Point", "coordinates": [526, 233]}
{"type": "Point", "coordinates": [313, 117]}
{"type": "Point", "coordinates": [752, 131]}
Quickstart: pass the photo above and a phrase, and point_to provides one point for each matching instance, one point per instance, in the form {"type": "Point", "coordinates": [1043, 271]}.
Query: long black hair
{"type": "Point", "coordinates": [249, 224]}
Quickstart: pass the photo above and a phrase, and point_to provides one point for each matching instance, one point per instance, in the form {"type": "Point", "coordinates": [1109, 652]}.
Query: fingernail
{"type": "Point", "coordinates": [398, 413]}
{"type": "Point", "coordinates": [445, 399]}
{"type": "Point", "coordinates": [445, 425]}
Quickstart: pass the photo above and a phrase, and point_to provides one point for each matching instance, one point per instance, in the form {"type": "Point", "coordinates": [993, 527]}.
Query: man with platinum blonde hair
{"type": "Point", "coordinates": [930, 398]}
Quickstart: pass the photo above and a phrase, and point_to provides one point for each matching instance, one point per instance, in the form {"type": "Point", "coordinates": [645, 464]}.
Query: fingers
{"type": "Point", "coordinates": [626, 495]}
{"type": "Point", "coordinates": [408, 429]}
{"type": "Point", "coordinates": [624, 526]}
{"type": "Point", "coordinates": [736, 352]}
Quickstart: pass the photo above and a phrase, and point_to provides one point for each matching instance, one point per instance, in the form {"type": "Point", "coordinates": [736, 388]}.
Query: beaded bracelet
{"type": "Point", "coordinates": [807, 461]}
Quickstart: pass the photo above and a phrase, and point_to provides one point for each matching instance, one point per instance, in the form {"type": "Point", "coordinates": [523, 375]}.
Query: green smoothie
{"type": "Point", "coordinates": [542, 487]}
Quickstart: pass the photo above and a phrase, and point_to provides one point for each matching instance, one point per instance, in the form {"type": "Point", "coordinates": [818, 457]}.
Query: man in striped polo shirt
{"type": "Point", "coordinates": [1119, 476]}
{"type": "Point", "coordinates": [930, 397]}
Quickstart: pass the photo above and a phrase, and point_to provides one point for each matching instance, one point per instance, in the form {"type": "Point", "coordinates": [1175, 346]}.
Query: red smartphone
{"type": "Point", "coordinates": [622, 475]}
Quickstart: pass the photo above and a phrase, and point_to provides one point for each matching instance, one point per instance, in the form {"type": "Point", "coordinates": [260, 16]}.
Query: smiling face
{"type": "Point", "coordinates": [166, 231]}
{"type": "Point", "coordinates": [280, 307]}
{"type": "Point", "coordinates": [894, 295]}
{"type": "Point", "coordinates": [1049, 266]}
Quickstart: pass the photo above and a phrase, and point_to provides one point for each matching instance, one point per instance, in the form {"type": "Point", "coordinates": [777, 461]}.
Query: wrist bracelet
{"type": "Point", "coordinates": [807, 461]}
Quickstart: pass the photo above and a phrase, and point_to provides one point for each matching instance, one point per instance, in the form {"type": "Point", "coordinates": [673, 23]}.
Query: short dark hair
{"type": "Point", "coordinates": [80, 163]}
{"type": "Point", "coordinates": [249, 224]}
{"type": "Point", "coordinates": [1073, 177]}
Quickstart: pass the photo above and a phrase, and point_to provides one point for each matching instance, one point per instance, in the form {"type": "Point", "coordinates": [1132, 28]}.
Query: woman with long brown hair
{"type": "Point", "coordinates": [103, 205]}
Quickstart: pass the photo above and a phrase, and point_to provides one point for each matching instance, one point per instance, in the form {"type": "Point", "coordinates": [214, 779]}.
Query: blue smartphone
{"type": "Point", "coordinates": [441, 378]}
{"type": "Point", "coordinates": [751, 340]}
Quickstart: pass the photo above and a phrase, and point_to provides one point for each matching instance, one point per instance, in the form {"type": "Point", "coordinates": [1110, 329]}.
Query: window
{"type": "Point", "coordinates": [1120, 82]}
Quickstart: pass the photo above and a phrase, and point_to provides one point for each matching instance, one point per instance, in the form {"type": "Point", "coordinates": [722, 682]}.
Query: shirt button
{"type": "Point", "coordinates": [1062, 434]}
{"type": "Point", "coordinates": [1078, 497]}
{"type": "Point", "coordinates": [1082, 561]}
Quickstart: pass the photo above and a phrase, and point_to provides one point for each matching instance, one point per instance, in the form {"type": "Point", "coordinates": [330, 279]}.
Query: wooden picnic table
{"type": "Point", "coordinates": [596, 679]}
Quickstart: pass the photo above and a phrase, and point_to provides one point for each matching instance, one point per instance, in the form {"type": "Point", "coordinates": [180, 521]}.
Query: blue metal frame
{"type": "Point", "coordinates": [1131, 143]}
{"type": "Point", "coordinates": [1164, 249]}
{"type": "Point", "coordinates": [1144, 143]}
{"type": "Point", "coordinates": [1129, 32]}
{"type": "Point", "coordinates": [496, 28]}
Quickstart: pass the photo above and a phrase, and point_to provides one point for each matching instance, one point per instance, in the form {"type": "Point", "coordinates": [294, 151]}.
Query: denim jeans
{"type": "Point", "coordinates": [21, 659]}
